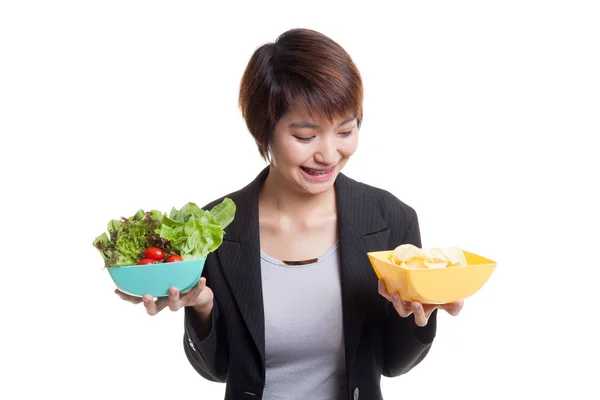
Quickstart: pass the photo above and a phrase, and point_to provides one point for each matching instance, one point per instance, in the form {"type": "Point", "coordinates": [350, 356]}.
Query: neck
{"type": "Point", "coordinates": [278, 195]}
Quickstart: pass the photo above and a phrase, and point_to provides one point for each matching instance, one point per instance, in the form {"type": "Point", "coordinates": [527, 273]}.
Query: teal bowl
{"type": "Point", "coordinates": [156, 279]}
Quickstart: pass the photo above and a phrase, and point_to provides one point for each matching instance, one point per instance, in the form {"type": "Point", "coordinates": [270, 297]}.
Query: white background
{"type": "Point", "coordinates": [481, 115]}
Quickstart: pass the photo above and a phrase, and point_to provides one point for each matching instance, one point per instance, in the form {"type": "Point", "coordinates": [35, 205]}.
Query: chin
{"type": "Point", "coordinates": [317, 189]}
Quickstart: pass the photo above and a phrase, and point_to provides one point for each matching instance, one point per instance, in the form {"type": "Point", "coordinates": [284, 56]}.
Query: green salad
{"type": "Point", "coordinates": [148, 237]}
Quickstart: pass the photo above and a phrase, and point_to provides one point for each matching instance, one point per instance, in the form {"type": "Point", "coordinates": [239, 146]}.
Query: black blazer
{"type": "Point", "coordinates": [377, 340]}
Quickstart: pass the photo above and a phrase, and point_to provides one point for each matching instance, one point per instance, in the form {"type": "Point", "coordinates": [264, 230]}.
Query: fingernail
{"type": "Point", "coordinates": [415, 307]}
{"type": "Point", "coordinates": [395, 297]}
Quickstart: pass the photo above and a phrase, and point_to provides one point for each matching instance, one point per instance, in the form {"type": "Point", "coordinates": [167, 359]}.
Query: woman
{"type": "Point", "coordinates": [289, 306]}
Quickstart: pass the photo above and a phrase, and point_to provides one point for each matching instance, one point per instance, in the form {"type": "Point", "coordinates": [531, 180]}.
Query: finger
{"type": "Point", "coordinates": [173, 299]}
{"type": "Point", "coordinates": [154, 307]}
{"type": "Point", "coordinates": [191, 297]}
{"type": "Point", "coordinates": [383, 291]}
{"type": "Point", "coordinates": [420, 317]}
{"type": "Point", "coordinates": [402, 307]}
{"type": "Point", "coordinates": [454, 308]}
{"type": "Point", "coordinates": [126, 297]}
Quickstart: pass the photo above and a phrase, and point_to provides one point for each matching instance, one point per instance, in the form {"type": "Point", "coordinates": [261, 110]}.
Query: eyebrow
{"type": "Point", "coordinates": [306, 124]}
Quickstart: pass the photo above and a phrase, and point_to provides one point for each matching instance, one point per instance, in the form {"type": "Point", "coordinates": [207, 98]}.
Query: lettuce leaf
{"type": "Point", "coordinates": [194, 232]}
{"type": "Point", "coordinates": [128, 238]}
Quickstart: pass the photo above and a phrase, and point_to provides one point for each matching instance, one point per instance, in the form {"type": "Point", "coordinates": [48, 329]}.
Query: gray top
{"type": "Point", "coordinates": [304, 337]}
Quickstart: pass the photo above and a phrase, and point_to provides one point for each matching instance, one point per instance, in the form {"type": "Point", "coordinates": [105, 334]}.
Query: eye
{"type": "Point", "coordinates": [303, 139]}
{"type": "Point", "coordinates": [344, 134]}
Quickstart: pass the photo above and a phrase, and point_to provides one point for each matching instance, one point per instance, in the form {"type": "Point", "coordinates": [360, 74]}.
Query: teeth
{"type": "Point", "coordinates": [316, 172]}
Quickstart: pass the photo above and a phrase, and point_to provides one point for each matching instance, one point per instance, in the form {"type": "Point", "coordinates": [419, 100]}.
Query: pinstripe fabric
{"type": "Point", "coordinates": [377, 341]}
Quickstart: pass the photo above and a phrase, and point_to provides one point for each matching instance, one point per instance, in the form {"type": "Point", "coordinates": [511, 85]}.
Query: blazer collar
{"type": "Point", "coordinates": [361, 228]}
{"type": "Point", "coordinates": [355, 206]}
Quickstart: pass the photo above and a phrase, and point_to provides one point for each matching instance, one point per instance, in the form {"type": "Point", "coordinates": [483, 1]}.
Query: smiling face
{"type": "Point", "coordinates": [308, 153]}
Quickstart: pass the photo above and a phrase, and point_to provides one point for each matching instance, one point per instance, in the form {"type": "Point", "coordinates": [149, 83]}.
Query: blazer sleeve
{"type": "Point", "coordinates": [206, 347]}
{"type": "Point", "coordinates": [405, 343]}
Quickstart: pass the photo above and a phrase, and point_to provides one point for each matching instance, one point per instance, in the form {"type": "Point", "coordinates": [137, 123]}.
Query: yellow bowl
{"type": "Point", "coordinates": [433, 286]}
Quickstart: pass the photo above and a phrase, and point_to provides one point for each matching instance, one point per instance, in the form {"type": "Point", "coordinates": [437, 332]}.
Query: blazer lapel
{"type": "Point", "coordinates": [361, 229]}
{"type": "Point", "coordinates": [239, 256]}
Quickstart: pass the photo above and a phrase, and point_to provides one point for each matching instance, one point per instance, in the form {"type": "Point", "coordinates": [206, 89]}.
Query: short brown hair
{"type": "Point", "coordinates": [302, 70]}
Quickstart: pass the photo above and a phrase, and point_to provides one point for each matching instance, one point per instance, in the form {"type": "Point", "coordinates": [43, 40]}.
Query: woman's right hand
{"type": "Point", "coordinates": [200, 297]}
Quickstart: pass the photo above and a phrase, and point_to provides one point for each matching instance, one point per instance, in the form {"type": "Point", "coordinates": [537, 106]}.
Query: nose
{"type": "Point", "coordinates": [326, 152]}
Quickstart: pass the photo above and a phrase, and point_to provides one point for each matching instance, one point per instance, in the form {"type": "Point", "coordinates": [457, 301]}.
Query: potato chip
{"type": "Point", "coordinates": [406, 252]}
{"type": "Point", "coordinates": [457, 257]}
{"type": "Point", "coordinates": [438, 255]}
{"type": "Point", "coordinates": [442, 264]}
{"type": "Point", "coordinates": [415, 263]}
{"type": "Point", "coordinates": [412, 257]}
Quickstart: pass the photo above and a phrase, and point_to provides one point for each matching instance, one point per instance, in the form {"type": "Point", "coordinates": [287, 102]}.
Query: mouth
{"type": "Point", "coordinates": [318, 173]}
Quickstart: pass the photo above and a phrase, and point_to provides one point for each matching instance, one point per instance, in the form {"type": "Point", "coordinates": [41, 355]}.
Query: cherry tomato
{"type": "Point", "coordinates": [174, 258]}
{"type": "Point", "coordinates": [155, 253]}
{"type": "Point", "coordinates": [146, 261]}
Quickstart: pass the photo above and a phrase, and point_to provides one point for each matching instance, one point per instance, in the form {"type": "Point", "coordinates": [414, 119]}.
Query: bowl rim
{"type": "Point", "coordinates": [197, 260]}
{"type": "Point", "coordinates": [383, 255]}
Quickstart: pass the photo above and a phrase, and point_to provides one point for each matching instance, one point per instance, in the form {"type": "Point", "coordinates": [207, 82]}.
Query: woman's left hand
{"type": "Point", "coordinates": [422, 312]}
